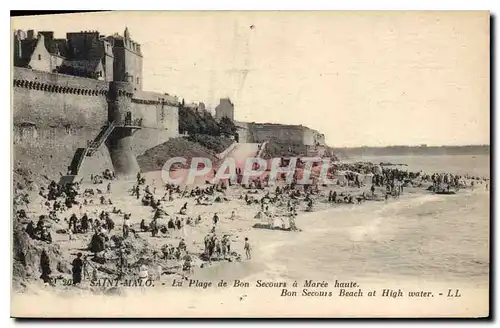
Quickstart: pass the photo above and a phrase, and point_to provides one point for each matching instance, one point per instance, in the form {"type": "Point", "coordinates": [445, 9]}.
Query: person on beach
{"type": "Point", "coordinates": [207, 243]}
{"type": "Point", "coordinates": [77, 269]}
{"type": "Point", "coordinates": [45, 268]}
{"type": "Point", "coordinates": [248, 250]}
{"type": "Point", "coordinates": [143, 273]}
{"type": "Point", "coordinates": [183, 225]}
{"type": "Point", "coordinates": [153, 226]}
{"type": "Point", "coordinates": [182, 245]}
{"type": "Point", "coordinates": [183, 209]}
{"type": "Point", "coordinates": [84, 223]}
{"type": "Point", "coordinates": [218, 247]}
{"type": "Point", "coordinates": [126, 225]}
{"type": "Point", "coordinates": [211, 246]}
{"type": "Point", "coordinates": [215, 219]}
{"type": "Point", "coordinates": [224, 246]}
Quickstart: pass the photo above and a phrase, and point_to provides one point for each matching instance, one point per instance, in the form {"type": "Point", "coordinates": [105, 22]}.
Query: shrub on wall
{"type": "Point", "coordinates": [279, 148]}
{"type": "Point", "coordinates": [227, 127]}
{"type": "Point", "coordinates": [188, 121]}
{"type": "Point", "coordinates": [217, 144]}
{"type": "Point", "coordinates": [154, 158]}
{"type": "Point", "coordinates": [193, 122]}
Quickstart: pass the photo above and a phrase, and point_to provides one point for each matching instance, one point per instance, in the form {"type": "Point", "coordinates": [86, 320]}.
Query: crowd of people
{"type": "Point", "coordinates": [283, 201]}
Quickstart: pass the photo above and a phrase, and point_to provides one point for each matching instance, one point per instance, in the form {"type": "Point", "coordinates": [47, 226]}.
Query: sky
{"type": "Point", "coordinates": [361, 78]}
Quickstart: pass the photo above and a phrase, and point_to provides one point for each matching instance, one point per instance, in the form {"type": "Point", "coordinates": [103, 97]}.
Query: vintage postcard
{"type": "Point", "coordinates": [251, 164]}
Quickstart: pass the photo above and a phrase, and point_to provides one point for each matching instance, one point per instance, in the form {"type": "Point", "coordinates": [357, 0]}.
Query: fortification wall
{"type": "Point", "coordinates": [157, 111]}
{"type": "Point", "coordinates": [48, 151]}
{"type": "Point", "coordinates": [265, 132]}
{"type": "Point", "coordinates": [50, 100]}
{"type": "Point", "coordinates": [310, 137]}
{"type": "Point", "coordinates": [54, 114]}
{"type": "Point", "coordinates": [243, 132]}
{"type": "Point", "coordinates": [294, 134]}
{"type": "Point", "coordinates": [313, 137]}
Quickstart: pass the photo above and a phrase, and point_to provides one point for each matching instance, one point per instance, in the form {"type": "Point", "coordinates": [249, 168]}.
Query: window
{"type": "Point", "coordinates": [137, 80]}
{"type": "Point", "coordinates": [39, 57]}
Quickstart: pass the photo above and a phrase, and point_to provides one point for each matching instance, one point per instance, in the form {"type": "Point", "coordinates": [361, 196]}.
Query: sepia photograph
{"type": "Point", "coordinates": [250, 164]}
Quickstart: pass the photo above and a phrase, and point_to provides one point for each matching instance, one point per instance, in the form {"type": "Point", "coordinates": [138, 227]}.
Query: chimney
{"type": "Point", "coordinates": [31, 34]}
{"type": "Point", "coordinates": [48, 35]}
{"type": "Point", "coordinates": [19, 47]}
{"type": "Point", "coordinates": [41, 37]}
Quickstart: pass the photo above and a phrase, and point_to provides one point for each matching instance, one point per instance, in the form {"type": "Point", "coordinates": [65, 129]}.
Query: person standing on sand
{"type": "Point", "coordinates": [153, 226]}
{"type": "Point", "coordinates": [126, 225]}
{"type": "Point", "coordinates": [248, 249]}
{"type": "Point", "coordinates": [143, 273]}
{"type": "Point", "coordinates": [207, 243]}
{"type": "Point", "coordinates": [45, 268]}
{"type": "Point", "coordinates": [77, 269]}
{"type": "Point", "coordinates": [183, 226]}
{"type": "Point", "coordinates": [228, 244]}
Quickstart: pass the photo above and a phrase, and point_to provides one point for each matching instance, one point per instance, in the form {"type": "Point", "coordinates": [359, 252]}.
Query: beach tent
{"type": "Point", "coordinates": [367, 179]}
{"type": "Point", "coordinates": [340, 176]}
{"type": "Point", "coordinates": [259, 215]}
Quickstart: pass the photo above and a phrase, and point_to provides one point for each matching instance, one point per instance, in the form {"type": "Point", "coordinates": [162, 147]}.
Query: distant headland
{"type": "Point", "coordinates": [422, 150]}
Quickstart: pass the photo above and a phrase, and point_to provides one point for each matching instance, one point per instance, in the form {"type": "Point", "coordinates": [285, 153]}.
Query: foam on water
{"type": "Point", "coordinates": [432, 237]}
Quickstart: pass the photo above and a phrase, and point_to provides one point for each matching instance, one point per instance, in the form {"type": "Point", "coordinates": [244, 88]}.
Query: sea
{"type": "Point", "coordinates": [419, 237]}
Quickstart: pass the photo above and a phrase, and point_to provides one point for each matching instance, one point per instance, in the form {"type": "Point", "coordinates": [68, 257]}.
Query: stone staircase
{"type": "Point", "coordinates": [101, 137]}
{"type": "Point", "coordinates": [93, 146]}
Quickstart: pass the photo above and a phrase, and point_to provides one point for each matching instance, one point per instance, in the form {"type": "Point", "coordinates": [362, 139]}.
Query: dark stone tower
{"type": "Point", "coordinates": [119, 142]}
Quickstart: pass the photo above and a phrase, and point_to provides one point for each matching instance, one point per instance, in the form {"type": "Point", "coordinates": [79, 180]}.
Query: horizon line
{"type": "Point", "coordinates": [413, 146]}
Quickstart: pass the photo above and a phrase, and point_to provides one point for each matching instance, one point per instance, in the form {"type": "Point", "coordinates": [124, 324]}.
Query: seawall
{"type": "Point", "coordinates": [54, 114]}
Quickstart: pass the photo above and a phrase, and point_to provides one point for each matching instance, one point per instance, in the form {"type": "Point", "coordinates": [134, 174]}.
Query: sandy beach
{"type": "Point", "coordinates": [273, 259]}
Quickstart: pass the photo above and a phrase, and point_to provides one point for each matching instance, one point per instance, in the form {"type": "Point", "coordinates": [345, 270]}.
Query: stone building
{"type": "Point", "coordinates": [128, 59]}
{"type": "Point", "coordinates": [198, 107]}
{"type": "Point", "coordinates": [41, 52]}
{"type": "Point", "coordinates": [89, 55]}
{"type": "Point", "coordinates": [224, 108]}
{"type": "Point", "coordinates": [85, 53]}
{"type": "Point", "coordinates": [293, 134]}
